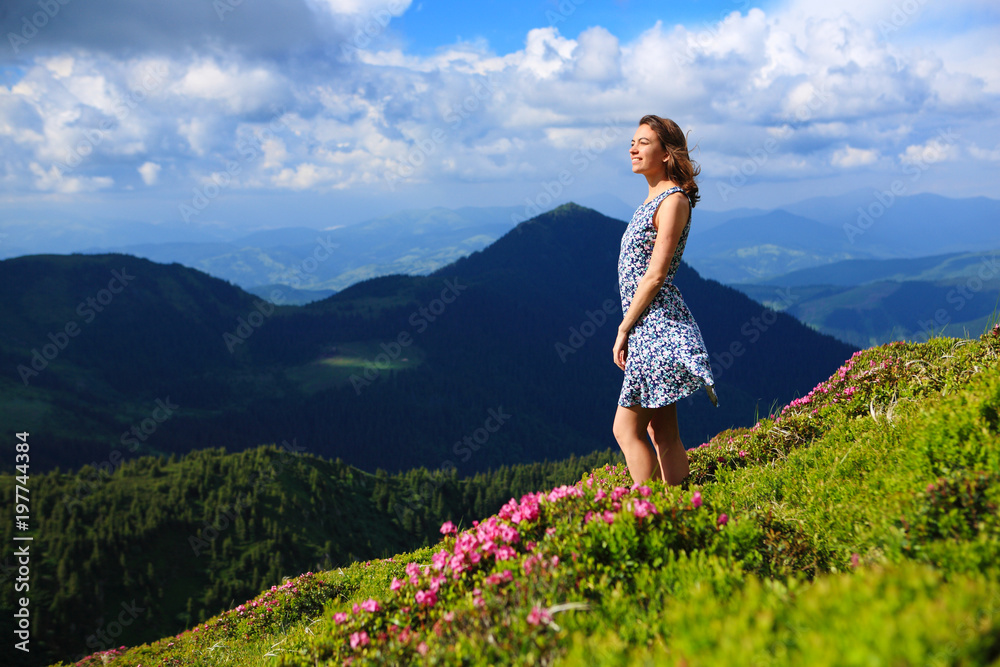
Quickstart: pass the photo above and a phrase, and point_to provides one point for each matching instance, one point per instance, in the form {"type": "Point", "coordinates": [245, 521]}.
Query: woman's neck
{"type": "Point", "coordinates": [659, 186]}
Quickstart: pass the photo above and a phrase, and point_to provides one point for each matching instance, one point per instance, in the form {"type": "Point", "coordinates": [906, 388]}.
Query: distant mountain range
{"type": "Point", "coordinates": [868, 302]}
{"type": "Point", "coordinates": [500, 357]}
{"type": "Point", "coordinates": [734, 247]}
{"type": "Point", "coordinates": [751, 246]}
{"type": "Point", "coordinates": [309, 264]}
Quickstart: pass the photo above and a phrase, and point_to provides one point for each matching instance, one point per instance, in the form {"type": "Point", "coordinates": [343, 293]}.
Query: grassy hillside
{"type": "Point", "coordinates": [182, 539]}
{"type": "Point", "coordinates": [856, 525]}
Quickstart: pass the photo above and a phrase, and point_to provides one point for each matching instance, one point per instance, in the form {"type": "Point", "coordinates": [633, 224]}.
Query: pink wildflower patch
{"type": "Point", "coordinates": [539, 616]}
{"type": "Point", "coordinates": [371, 605]}
{"type": "Point", "coordinates": [339, 617]}
{"type": "Point", "coordinates": [505, 552]}
{"type": "Point", "coordinates": [359, 639]}
{"type": "Point", "coordinates": [396, 584]}
{"type": "Point", "coordinates": [427, 598]}
{"type": "Point", "coordinates": [723, 520]}
{"type": "Point", "coordinates": [643, 508]}
{"type": "Point", "coordinates": [609, 517]}
{"type": "Point", "coordinates": [696, 499]}
{"type": "Point", "coordinates": [448, 527]}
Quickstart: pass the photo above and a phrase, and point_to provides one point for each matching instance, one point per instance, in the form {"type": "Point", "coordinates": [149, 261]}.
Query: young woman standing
{"type": "Point", "coordinates": [659, 345]}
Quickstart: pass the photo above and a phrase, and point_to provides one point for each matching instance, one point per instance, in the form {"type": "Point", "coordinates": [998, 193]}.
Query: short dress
{"type": "Point", "coordinates": [667, 359]}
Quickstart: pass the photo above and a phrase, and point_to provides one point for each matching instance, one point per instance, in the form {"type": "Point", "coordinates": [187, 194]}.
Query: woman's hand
{"type": "Point", "coordinates": [620, 350]}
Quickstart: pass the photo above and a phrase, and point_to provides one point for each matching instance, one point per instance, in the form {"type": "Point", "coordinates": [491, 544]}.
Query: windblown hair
{"type": "Point", "coordinates": [681, 169]}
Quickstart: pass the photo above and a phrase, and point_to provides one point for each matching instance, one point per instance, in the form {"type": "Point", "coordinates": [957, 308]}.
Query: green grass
{"type": "Point", "coordinates": [855, 526]}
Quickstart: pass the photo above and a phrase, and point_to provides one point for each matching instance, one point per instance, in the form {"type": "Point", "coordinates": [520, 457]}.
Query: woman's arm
{"type": "Point", "coordinates": [670, 218]}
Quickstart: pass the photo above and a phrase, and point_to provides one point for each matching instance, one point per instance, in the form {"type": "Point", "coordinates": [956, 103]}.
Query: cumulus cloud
{"type": "Point", "coordinates": [150, 172]}
{"type": "Point", "coordinates": [848, 157]}
{"type": "Point", "coordinates": [272, 95]}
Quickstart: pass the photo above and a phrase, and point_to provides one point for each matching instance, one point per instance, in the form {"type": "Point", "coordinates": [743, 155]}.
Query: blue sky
{"type": "Point", "coordinates": [427, 26]}
{"type": "Point", "coordinates": [206, 115]}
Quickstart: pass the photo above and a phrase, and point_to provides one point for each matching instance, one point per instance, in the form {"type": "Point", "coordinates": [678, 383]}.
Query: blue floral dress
{"type": "Point", "coordinates": [666, 358]}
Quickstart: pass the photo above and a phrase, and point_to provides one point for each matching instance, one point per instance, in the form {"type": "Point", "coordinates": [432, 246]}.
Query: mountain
{"type": "Point", "coordinates": [752, 248]}
{"type": "Point", "coordinates": [499, 358]}
{"type": "Point", "coordinates": [868, 302]}
{"type": "Point", "coordinates": [856, 525]}
{"type": "Point", "coordinates": [866, 225]}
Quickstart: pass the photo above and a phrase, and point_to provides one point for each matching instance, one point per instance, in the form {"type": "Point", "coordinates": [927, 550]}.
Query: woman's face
{"type": "Point", "coordinates": [648, 155]}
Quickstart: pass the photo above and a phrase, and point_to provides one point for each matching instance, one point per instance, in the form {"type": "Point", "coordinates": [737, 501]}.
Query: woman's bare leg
{"type": "Point", "coordinates": [666, 438]}
{"type": "Point", "coordinates": [630, 431]}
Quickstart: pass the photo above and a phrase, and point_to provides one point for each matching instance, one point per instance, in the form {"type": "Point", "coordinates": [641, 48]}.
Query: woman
{"type": "Point", "coordinates": [659, 345]}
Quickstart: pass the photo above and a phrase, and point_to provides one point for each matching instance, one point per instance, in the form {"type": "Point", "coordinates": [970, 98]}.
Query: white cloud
{"type": "Point", "coordinates": [986, 154]}
{"type": "Point", "coordinates": [848, 157]}
{"type": "Point", "coordinates": [597, 56]}
{"type": "Point", "coordinates": [53, 180]}
{"type": "Point", "coordinates": [238, 90]}
{"type": "Point", "coordinates": [373, 10]}
{"type": "Point", "coordinates": [150, 172]}
{"type": "Point", "coordinates": [546, 53]}
{"type": "Point", "coordinates": [831, 91]}
{"type": "Point", "coordinates": [931, 152]}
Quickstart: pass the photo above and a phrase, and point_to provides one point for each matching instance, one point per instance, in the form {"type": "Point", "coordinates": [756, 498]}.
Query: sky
{"type": "Point", "coordinates": [249, 114]}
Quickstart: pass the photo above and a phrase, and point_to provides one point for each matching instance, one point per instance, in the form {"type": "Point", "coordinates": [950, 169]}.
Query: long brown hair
{"type": "Point", "coordinates": [681, 169]}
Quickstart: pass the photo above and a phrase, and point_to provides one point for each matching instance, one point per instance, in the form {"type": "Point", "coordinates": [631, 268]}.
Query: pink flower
{"type": "Point", "coordinates": [723, 519]}
{"type": "Point", "coordinates": [359, 639]}
{"type": "Point", "coordinates": [644, 491]}
{"type": "Point", "coordinates": [509, 533]}
{"type": "Point", "coordinates": [370, 605]}
{"type": "Point", "coordinates": [854, 560]}
{"type": "Point", "coordinates": [422, 648]}
{"type": "Point", "coordinates": [396, 584]}
{"type": "Point", "coordinates": [600, 495]}
{"type": "Point", "coordinates": [696, 499]}
{"type": "Point", "coordinates": [539, 616]}
{"type": "Point", "coordinates": [427, 598]}
{"type": "Point", "coordinates": [742, 454]}
{"type": "Point", "coordinates": [436, 582]}
{"type": "Point", "coordinates": [339, 617]}
{"type": "Point", "coordinates": [643, 508]}
{"type": "Point", "coordinates": [609, 517]}
{"type": "Point", "coordinates": [505, 552]}
{"type": "Point", "coordinates": [449, 527]}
